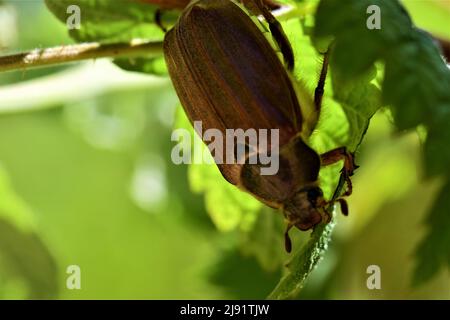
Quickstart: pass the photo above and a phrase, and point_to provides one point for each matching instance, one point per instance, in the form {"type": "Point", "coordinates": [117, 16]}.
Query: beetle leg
{"type": "Point", "coordinates": [347, 171]}
{"type": "Point", "coordinates": [319, 91]}
{"type": "Point", "coordinates": [314, 112]}
{"type": "Point", "coordinates": [344, 206]}
{"type": "Point", "coordinates": [158, 20]}
{"type": "Point", "coordinates": [277, 33]}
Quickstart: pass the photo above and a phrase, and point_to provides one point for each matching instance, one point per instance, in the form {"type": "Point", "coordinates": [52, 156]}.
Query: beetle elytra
{"type": "Point", "coordinates": [227, 75]}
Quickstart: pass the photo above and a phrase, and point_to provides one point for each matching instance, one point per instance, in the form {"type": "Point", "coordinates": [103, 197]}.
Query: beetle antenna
{"type": "Point", "coordinates": [287, 239]}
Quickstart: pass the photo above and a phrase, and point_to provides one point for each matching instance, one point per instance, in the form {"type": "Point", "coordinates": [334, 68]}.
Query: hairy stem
{"type": "Point", "coordinates": [78, 52]}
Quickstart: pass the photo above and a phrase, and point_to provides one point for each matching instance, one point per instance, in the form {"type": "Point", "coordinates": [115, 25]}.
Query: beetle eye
{"type": "Point", "coordinates": [314, 193]}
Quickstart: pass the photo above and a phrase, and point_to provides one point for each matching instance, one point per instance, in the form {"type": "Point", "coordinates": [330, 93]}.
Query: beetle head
{"type": "Point", "coordinates": [304, 210]}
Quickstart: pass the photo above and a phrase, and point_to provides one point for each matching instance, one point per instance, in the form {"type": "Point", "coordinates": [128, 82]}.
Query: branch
{"type": "Point", "coordinates": [78, 52]}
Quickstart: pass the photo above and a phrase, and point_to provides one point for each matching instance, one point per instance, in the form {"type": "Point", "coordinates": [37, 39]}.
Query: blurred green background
{"type": "Point", "coordinates": [86, 179]}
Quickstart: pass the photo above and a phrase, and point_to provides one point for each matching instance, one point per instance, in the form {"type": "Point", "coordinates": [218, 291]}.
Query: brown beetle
{"type": "Point", "coordinates": [227, 75]}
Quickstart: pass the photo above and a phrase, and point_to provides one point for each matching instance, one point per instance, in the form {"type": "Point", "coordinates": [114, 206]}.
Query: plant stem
{"type": "Point", "coordinates": [78, 52]}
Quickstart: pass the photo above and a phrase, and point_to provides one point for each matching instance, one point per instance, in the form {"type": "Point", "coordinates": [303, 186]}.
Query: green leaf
{"type": "Point", "coordinates": [356, 46]}
{"type": "Point", "coordinates": [360, 99]}
{"type": "Point", "coordinates": [229, 208]}
{"type": "Point", "coordinates": [436, 149]}
{"type": "Point", "coordinates": [416, 87]}
{"type": "Point", "coordinates": [109, 21]}
{"type": "Point", "coordinates": [346, 112]}
{"type": "Point", "coordinates": [265, 240]}
{"type": "Point", "coordinates": [155, 66]}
